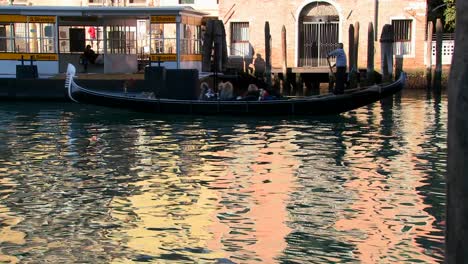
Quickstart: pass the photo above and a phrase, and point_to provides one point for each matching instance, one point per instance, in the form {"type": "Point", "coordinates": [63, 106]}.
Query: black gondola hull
{"type": "Point", "coordinates": [314, 105]}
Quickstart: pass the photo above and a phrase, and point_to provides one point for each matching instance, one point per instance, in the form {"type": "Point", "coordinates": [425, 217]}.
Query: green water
{"type": "Point", "coordinates": [87, 184]}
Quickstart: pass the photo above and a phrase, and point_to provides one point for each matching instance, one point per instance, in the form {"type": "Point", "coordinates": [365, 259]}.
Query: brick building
{"type": "Point", "coordinates": [313, 27]}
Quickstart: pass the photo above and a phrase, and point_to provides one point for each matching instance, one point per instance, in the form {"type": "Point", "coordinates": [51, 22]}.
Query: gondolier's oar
{"type": "Point", "coordinates": [331, 68]}
{"type": "Point", "coordinates": [334, 76]}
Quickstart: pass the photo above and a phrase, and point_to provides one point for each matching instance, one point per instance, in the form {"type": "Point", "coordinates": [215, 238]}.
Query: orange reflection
{"type": "Point", "coordinates": [262, 173]}
{"type": "Point", "coordinates": [244, 204]}
{"type": "Point", "coordinates": [387, 215]}
{"type": "Point", "coordinates": [7, 235]}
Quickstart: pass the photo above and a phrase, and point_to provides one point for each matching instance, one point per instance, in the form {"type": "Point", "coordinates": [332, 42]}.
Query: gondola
{"type": "Point", "coordinates": [326, 104]}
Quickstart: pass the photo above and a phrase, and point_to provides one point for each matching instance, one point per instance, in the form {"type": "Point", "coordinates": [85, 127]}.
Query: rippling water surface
{"type": "Point", "coordinates": [85, 184]}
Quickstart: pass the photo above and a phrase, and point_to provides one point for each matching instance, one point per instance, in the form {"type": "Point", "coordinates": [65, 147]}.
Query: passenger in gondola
{"type": "Point", "coordinates": [265, 95]}
{"type": "Point", "coordinates": [206, 92]}
{"type": "Point", "coordinates": [226, 91]}
{"type": "Point", "coordinates": [252, 94]}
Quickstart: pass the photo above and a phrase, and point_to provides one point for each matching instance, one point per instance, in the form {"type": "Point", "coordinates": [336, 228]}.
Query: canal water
{"type": "Point", "coordinates": [88, 184]}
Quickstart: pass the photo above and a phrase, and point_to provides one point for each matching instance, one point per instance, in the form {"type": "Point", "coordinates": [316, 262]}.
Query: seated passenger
{"type": "Point", "coordinates": [252, 94]}
{"type": "Point", "coordinates": [88, 56]}
{"type": "Point", "coordinates": [203, 90]}
{"type": "Point", "coordinates": [265, 95]}
{"type": "Point", "coordinates": [206, 93]}
{"type": "Point", "coordinates": [226, 91]}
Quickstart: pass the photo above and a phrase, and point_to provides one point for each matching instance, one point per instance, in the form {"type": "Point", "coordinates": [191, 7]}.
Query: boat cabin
{"type": "Point", "coordinates": [125, 38]}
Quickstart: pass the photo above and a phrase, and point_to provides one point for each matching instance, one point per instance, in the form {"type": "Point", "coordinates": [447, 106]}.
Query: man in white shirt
{"type": "Point", "coordinates": [340, 67]}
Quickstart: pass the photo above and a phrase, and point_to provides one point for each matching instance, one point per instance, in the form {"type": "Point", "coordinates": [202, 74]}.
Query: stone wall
{"type": "Point", "coordinates": [279, 13]}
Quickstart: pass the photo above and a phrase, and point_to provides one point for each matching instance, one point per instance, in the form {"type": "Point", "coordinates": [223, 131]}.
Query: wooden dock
{"type": "Point", "coordinates": [310, 70]}
{"type": "Point", "coordinates": [303, 70]}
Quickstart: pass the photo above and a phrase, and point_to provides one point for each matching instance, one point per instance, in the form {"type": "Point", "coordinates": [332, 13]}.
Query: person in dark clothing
{"type": "Point", "coordinates": [340, 68]}
{"type": "Point", "coordinates": [252, 94]}
{"type": "Point", "coordinates": [88, 56]}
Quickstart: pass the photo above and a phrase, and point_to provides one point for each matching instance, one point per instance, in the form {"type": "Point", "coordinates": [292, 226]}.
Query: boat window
{"type": "Point", "coordinates": [143, 26]}
{"type": "Point", "coordinates": [20, 37]}
{"type": "Point", "coordinates": [34, 34]}
{"type": "Point", "coordinates": [7, 40]}
{"type": "Point", "coordinates": [163, 38]}
{"type": "Point", "coordinates": [74, 39]}
{"type": "Point", "coordinates": [121, 39]}
{"type": "Point", "coordinates": [191, 39]}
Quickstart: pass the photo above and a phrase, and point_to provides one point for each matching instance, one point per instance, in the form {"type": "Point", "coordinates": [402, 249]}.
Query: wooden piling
{"type": "Point", "coordinates": [214, 47]}
{"type": "Point", "coordinates": [220, 47]}
{"type": "Point", "coordinates": [224, 53]}
{"type": "Point", "coordinates": [207, 46]}
{"type": "Point", "coordinates": [370, 54]}
{"type": "Point", "coordinates": [430, 29]}
{"type": "Point", "coordinates": [386, 49]}
{"type": "Point", "coordinates": [351, 48]}
{"type": "Point", "coordinates": [456, 233]}
{"type": "Point", "coordinates": [356, 46]}
{"type": "Point", "coordinates": [267, 54]}
{"type": "Point", "coordinates": [438, 69]}
{"type": "Point", "coordinates": [353, 72]}
{"type": "Point", "coordinates": [284, 52]}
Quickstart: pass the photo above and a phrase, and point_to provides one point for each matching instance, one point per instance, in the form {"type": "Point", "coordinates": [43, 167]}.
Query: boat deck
{"type": "Point", "coordinates": [303, 70]}
{"type": "Point", "coordinates": [103, 76]}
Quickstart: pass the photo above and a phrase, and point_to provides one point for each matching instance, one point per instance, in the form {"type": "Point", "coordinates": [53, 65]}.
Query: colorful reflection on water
{"type": "Point", "coordinates": [96, 185]}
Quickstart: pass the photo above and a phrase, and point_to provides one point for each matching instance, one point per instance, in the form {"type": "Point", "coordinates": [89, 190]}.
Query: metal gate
{"type": "Point", "coordinates": [317, 39]}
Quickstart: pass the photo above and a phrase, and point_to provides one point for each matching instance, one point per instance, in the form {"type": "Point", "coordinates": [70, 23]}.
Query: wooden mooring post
{"type": "Point", "coordinates": [352, 57]}
{"type": "Point", "coordinates": [353, 75]}
{"type": "Point", "coordinates": [386, 51]}
{"type": "Point", "coordinates": [370, 54]}
{"type": "Point", "coordinates": [267, 54]}
{"type": "Point", "coordinates": [351, 48]}
{"type": "Point", "coordinates": [214, 47]}
{"type": "Point", "coordinates": [456, 234]}
{"type": "Point", "coordinates": [284, 57]}
{"type": "Point", "coordinates": [356, 46]}
{"type": "Point", "coordinates": [208, 46]}
{"type": "Point", "coordinates": [430, 30]}
{"type": "Point", "coordinates": [438, 69]}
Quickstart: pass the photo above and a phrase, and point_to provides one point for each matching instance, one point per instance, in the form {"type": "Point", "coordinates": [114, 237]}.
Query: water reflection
{"type": "Point", "coordinates": [387, 214]}
{"type": "Point", "coordinates": [90, 184]}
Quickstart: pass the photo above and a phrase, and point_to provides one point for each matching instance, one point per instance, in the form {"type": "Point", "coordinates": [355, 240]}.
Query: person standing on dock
{"type": "Point", "coordinates": [340, 55]}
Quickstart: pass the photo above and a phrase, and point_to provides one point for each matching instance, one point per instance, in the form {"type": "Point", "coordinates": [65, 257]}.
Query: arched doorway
{"type": "Point", "coordinates": [318, 33]}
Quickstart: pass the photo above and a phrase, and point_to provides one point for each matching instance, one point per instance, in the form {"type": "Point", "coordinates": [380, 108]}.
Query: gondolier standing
{"type": "Point", "coordinates": [340, 67]}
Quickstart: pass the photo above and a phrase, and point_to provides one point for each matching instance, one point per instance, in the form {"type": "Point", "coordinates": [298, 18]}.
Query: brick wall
{"type": "Point", "coordinates": [279, 13]}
